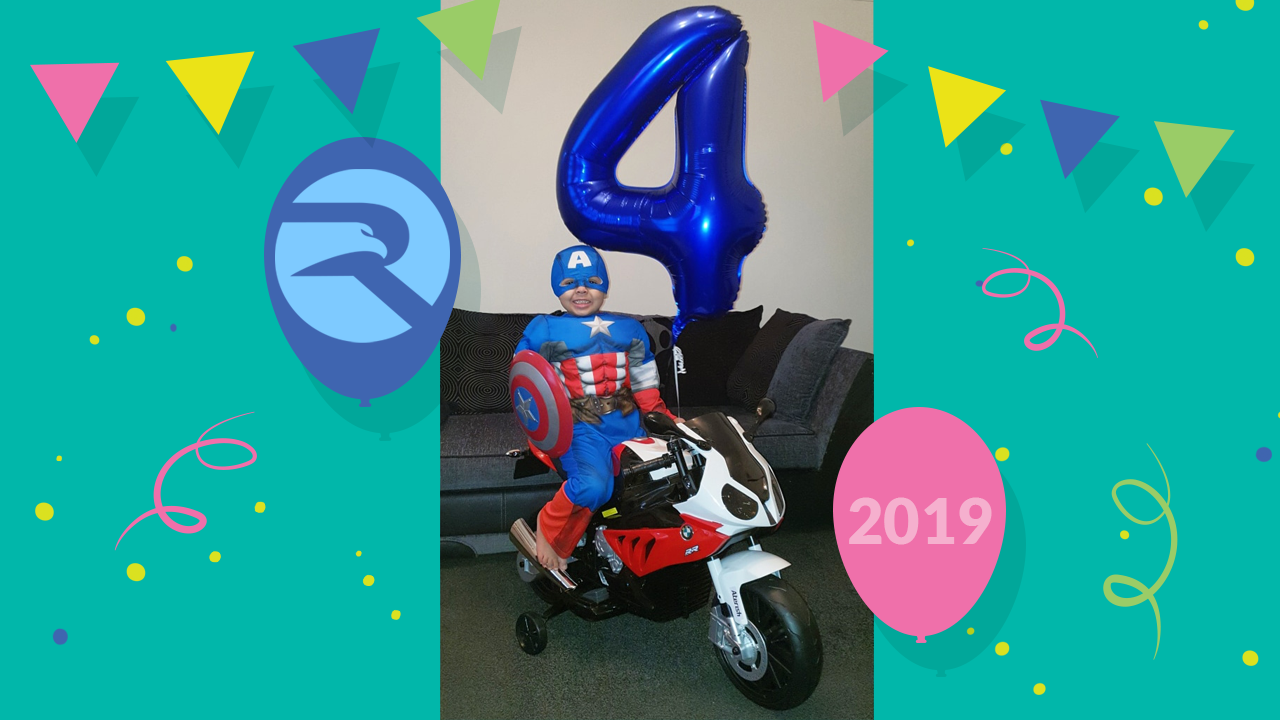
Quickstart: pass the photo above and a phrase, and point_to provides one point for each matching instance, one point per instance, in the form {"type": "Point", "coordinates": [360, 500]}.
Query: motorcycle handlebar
{"type": "Point", "coordinates": [655, 464]}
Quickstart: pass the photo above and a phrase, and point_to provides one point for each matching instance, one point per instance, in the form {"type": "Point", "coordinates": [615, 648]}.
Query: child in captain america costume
{"type": "Point", "coordinates": [609, 372]}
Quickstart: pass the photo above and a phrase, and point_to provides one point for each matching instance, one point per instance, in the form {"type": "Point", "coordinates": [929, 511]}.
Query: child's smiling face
{"type": "Point", "coordinates": [581, 300]}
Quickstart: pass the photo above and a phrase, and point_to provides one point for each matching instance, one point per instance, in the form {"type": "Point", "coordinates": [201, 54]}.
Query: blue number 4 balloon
{"type": "Point", "coordinates": [703, 223]}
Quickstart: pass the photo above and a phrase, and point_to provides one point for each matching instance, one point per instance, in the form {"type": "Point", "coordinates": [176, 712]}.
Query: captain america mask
{"type": "Point", "coordinates": [579, 265]}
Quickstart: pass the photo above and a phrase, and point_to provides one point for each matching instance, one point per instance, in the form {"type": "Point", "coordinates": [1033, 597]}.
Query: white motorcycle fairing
{"type": "Point", "coordinates": [730, 573]}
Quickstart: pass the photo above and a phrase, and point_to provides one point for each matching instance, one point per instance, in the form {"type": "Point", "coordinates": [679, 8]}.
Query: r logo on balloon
{"type": "Point", "coordinates": [362, 262]}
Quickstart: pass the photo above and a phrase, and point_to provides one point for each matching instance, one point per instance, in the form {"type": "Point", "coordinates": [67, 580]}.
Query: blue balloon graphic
{"type": "Point", "coordinates": [703, 223]}
{"type": "Point", "coordinates": [362, 262]}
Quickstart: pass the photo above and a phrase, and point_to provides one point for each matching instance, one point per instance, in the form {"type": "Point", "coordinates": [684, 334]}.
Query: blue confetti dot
{"type": "Point", "coordinates": [60, 636]}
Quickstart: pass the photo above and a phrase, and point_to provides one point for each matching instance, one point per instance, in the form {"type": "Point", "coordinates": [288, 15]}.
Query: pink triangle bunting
{"type": "Point", "coordinates": [75, 90]}
{"type": "Point", "coordinates": [841, 57]}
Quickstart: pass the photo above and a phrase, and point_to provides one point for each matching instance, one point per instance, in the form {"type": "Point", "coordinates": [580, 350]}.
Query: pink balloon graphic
{"type": "Point", "coordinates": [919, 515]}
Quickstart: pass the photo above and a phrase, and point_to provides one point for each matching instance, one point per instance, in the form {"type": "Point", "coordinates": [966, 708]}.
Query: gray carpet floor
{"type": "Point", "coordinates": [627, 667]}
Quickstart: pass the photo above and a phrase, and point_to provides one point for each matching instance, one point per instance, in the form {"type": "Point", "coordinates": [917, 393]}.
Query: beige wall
{"type": "Point", "coordinates": [499, 168]}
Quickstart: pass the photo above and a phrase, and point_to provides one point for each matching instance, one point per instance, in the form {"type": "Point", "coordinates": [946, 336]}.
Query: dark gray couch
{"type": "Point", "coordinates": [480, 499]}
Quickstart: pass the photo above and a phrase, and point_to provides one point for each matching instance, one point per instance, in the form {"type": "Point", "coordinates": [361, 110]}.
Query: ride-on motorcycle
{"type": "Point", "coordinates": [689, 505]}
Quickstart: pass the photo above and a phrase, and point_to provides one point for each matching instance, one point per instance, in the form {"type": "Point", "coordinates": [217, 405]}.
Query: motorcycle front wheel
{"type": "Point", "coordinates": [786, 671]}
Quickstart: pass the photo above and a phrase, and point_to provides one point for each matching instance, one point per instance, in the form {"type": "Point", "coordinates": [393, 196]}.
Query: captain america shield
{"type": "Point", "coordinates": [541, 403]}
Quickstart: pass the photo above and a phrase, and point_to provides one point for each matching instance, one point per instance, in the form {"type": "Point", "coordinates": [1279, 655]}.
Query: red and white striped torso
{"type": "Point", "coordinates": [599, 374]}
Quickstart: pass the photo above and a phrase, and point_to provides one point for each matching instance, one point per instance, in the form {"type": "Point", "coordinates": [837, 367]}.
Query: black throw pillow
{"type": "Point", "coordinates": [711, 349]}
{"type": "Point", "coordinates": [475, 360]}
{"type": "Point", "coordinates": [749, 380]}
{"type": "Point", "coordinates": [659, 329]}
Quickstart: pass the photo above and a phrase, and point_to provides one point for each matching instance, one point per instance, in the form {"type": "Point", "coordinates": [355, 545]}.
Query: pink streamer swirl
{"type": "Point", "coordinates": [163, 510]}
{"type": "Point", "coordinates": [1057, 327]}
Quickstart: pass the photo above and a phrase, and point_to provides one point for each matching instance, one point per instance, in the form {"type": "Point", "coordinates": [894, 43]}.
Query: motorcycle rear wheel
{"type": "Point", "coordinates": [792, 657]}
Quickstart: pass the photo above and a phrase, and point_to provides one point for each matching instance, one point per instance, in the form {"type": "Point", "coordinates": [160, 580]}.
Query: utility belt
{"type": "Point", "coordinates": [591, 408]}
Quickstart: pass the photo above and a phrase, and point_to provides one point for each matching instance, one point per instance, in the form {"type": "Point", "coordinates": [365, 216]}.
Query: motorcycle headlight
{"type": "Point", "coordinates": [738, 503]}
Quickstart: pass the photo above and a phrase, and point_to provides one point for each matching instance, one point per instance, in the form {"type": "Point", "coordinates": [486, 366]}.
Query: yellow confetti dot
{"type": "Point", "coordinates": [1038, 688]}
{"type": "Point", "coordinates": [368, 580]}
{"type": "Point", "coordinates": [1244, 256]}
{"type": "Point", "coordinates": [1204, 24]}
{"type": "Point", "coordinates": [1124, 534]}
{"type": "Point", "coordinates": [970, 631]}
{"type": "Point", "coordinates": [135, 572]}
{"type": "Point", "coordinates": [1153, 196]}
{"type": "Point", "coordinates": [1006, 148]}
{"type": "Point", "coordinates": [215, 556]}
{"type": "Point", "coordinates": [135, 316]}
{"type": "Point", "coordinates": [1002, 648]}
{"type": "Point", "coordinates": [395, 614]}
{"type": "Point", "coordinates": [184, 264]}
{"type": "Point", "coordinates": [910, 243]}
{"type": "Point", "coordinates": [59, 458]}
{"type": "Point", "coordinates": [1002, 454]}
{"type": "Point", "coordinates": [1245, 5]}
{"type": "Point", "coordinates": [260, 507]}
{"type": "Point", "coordinates": [44, 511]}
{"type": "Point", "coordinates": [93, 339]}
{"type": "Point", "coordinates": [1250, 658]}
{"type": "Point", "coordinates": [357, 553]}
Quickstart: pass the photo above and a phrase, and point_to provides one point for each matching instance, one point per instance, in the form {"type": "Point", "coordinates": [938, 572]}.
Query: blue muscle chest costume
{"type": "Point", "coordinates": [568, 344]}
{"type": "Point", "coordinates": [598, 356]}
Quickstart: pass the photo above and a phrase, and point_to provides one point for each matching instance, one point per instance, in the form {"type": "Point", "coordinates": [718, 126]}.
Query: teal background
{"type": "Point", "coordinates": [283, 624]}
{"type": "Point", "coordinates": [1186, 339]}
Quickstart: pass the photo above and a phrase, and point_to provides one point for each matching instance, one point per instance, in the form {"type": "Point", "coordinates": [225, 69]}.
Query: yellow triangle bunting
{"type": "Point", "coordinates": [212, 82]}
{"type": "Point", "coordinates": [960, 101]}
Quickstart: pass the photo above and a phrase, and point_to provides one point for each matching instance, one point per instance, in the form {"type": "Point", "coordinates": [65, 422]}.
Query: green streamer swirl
{"type": "Point", "coordinates": [1145, 594]}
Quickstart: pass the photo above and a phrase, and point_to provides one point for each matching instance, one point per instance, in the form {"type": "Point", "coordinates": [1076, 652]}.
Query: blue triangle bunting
{"type": "Point", "coordinates": [1075, 131]}
{"type": "Point", "coordinates": [341, 63]}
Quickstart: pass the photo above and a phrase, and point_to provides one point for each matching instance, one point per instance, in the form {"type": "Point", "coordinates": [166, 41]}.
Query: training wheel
{"type": "Point", "coordinates": [531, 633]}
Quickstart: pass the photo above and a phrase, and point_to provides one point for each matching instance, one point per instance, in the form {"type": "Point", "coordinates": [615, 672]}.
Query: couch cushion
{"type": "Point", "coordinates": [662, 346]}
{"type": "Point", "coordinates": [491, 512]}
{"type": "Point", "coordinates": [489, 435]}
{"type": "Point", "coordinates": [473, 454]}
{"type": "Point", "coordinates": [711, 348]}
{"type": "Point", "coordinates": [750, 378]}
{"type": "Point", "coordinates": [803, 368]}
{"type": "Point", "coordinates": [489, 475]}
{"type": "Point", "coordinates": [785, 444]}
{"type": "Point", "coordinates": [475, 358]}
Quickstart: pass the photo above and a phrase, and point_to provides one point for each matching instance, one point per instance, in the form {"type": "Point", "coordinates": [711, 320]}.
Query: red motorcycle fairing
{"type": "Point", "coordinates": [617, 453]}
{"type": "Point", "coordinates": [644, 550]}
